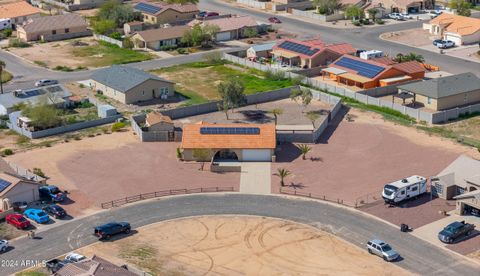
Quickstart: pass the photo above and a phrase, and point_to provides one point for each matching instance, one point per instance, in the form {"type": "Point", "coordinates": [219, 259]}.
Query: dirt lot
{"type": "Point", "coordinates": [107, 167]}
{"type": "Point", "coordinates": [414, 37]}
{"type": "Point", "coordinates": [238, 245]}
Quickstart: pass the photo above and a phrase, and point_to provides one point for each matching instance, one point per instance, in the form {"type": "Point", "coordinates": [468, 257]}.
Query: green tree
{"type": "Point", "coordinates": [372, 13]}
{"type": "Point", "coordinates": [304, 96]}
{"type": "Point", "coordinates": [304, 149]}
{"type": "Point", "coordinates": [409, 57]}
{"type": "Point", "coordinates": [103, 26]}
{"type": "Point", "coordinates": [2, 66]}
{"type": "Point", "coordinates": [354, 12]}
{"type": "Point", "coordinates": [250, 32]}
{"type": "Point", "coordinates": [276, 112]}
{"type": "Point", "coordinates": [201, 155]}
{"type": "Point", "coordinates": [232, 94]}
{"type": "Point", "coordinates": [117, 12]}
{"type": "Point", "coordinates": [128, 43]}
{"type": "Point", "coordinates": [312, 116]}
{"type": "Point", "coordinates": [461, 6]}
{"type": "Point", "coordinates": [282, 173]}
{"type": "Point", "coordinates": [326, 6]}
{"type": "Point", "coordinates": [43, 114]}
{"type": "Point", "coordinates": [200, 35]}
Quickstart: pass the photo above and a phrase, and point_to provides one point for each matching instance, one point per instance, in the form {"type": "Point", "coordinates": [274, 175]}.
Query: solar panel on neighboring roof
{"type": "Point", "coordinates": [4, 184]}
{"type": "Point", "coordinates": [298, 48]}
{"type": "Point", "coordinates": [363, 68]}
{"type": "Point", "coordinates": [230, 130]}
{"type": "Point", "coordinates": [144, 7]}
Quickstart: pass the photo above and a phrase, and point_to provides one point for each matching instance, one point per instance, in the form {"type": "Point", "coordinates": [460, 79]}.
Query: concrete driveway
{"type": "Point", "coordinates": [255, 178]}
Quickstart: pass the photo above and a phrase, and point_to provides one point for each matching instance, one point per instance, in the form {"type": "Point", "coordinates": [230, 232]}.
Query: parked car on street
{"type": "Point", "coordinates": [436, 41]}
{"type": "Point", "coordinates": [406, 16]}
{"type": "Point", "coordinates": [51, 193]}
{"type": "Point", "coordinates": [106, 231]}
{"type": "Point", "coordinates": [17, 220]}
{"type": "Point", "coordinates": [55, 210]}
{"type": "Point", "coordinates": [3, 245]}
{"type": "Point", "coordinates": [37, 215]}
{"type": "Point", "coordinates": [382, 249]}
{"type": "Point", "coordinates": [455, 230]}
{"type": "Point", "coordinates": [274, 20]}
{"type": "Point", "coordinates": [45, 82]}
{"type": "Point", "coordinates": [434, 13]}
{"type": "Point", "coordinates": [74, 257]}
{"type": "Point", "coordinates": [445, 44]}
{"type": "Point", "coordinates": [396, 16]}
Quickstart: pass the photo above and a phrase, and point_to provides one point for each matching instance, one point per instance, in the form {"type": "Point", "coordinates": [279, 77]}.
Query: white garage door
{"type": "Point", "coordinates": [257, 155]}
{"type": "Point", "coordinates": [223, 36]}
{"type": "Point", "coordinates": [456, 39]}
{"type": "Point", "coordinates": [20, 196]}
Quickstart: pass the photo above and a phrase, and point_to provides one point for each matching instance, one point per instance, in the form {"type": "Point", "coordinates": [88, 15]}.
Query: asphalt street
{"type": "Point", "coordinates": [360, 38]}
{"type": "Point", "coordinates": [416, 255]}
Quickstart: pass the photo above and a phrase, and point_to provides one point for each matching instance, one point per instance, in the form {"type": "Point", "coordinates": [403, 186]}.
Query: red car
{"type": "Point", "coordinates": [274, 20]}
{"type": "Point", "coordinates": [18, 221]}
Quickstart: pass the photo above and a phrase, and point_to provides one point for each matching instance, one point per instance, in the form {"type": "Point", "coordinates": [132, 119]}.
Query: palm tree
{"type": "Point", "coordinates": [2, 66]}
{"type": "Point", "coordinates": [414, 57]}
{"type": "Point", "coordinates": [304, 149]}
{"type": "Point", "coordinates": [276, 112]}
{"type": "Point", "coordinates": [282, 173]}
{"type": "Point", "coordinates": [399, 58]}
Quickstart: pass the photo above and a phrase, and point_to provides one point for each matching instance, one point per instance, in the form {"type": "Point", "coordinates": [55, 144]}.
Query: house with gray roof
{"type": "Point", "coordinates": [445, 92]}
{"type": "Point", "coordinates": [130, 85]}
{"type": "Point", "coordinates": [55, 95]}
{"type": "Point", "coordinates": [93, 267]}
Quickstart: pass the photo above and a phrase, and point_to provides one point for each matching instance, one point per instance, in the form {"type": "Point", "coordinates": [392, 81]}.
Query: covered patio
{"type": "Point", "coordinates": [286, 58]}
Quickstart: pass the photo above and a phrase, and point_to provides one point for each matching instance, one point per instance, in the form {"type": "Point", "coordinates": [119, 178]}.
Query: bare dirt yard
{"type": "Point", "coordinates": [240, 245]}
{"type": "Point", "coordinates": [107, 167]}
{"type": "Point", "coordinates": [414, 37]}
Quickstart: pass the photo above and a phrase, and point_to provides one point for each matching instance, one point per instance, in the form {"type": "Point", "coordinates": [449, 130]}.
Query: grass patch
{"type": "Point", "coordinates": [68, 69]}
{"type": "Point", "coordinates": [32, 273]}
{"type": "Point", "coordinates": [40, 63]}
{"type": "Point", "coordinates": [105, 54]}
{"type": "Point", "coordinates": [6, 76]}
{"type": "Point", "coordinates": [144, 256]}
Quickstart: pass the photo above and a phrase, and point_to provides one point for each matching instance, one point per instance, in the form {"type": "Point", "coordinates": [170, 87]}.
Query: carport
{"type": "Point", "coordinates": [404, 96]}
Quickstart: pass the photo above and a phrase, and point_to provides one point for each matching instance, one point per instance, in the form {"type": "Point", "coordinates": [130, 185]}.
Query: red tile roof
{"type": "Point", "coordinates": [193, 139]}
{"type": "Point", "coordinates": [409, 67]}
{"type": "Point", "coordinates": [384, 60]}
{"type": "Point", "coordinates": [17, 9]}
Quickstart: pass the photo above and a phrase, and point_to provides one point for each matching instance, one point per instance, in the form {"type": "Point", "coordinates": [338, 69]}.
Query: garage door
{"type": "Point", "coordinates": [20, 196]}
{"type": "Point", "coordinates": [257, 155]}
{"type": "Point", "coordinates": [457, 40]}
{"type": "Point", "coordinates": [223, 36]}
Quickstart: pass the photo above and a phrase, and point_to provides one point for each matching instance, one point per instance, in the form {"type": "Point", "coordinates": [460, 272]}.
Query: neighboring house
{"type": "Point", "coordinates": [161, 13]}
{"type": "Point", "coordinates": [460, 181]}
{"type": "Point", "coordinates": [155, 127]}
{"type": "Point", "coordinates": [130, 85]}
{"type": "Point", "coordinates": [132, 27]}
{"type": "Point", "coordinates": [445, 92]}
{"type": "Point", "coordinates": [14, 188]}
{"type": "Point", "coordinates": [19, 12]}
{"type": "Point", "coordinates": [260, 51]}
{"type": "Point", "coordinates": [89, 3]}
{"type": "Point", "coordinates": [51, 28]}
{"type": "Point", "coordinates": [231, 27]}
{"type": "Point", "coordinates": [459, 29]}
{"type": "Point", "coordinates": [94, 267]}
{"type": "Point", "coordinates": [56, 95]}
{"type": "Point", "coordinates": [155, 39]}
{"type": "Point", "coordinates": [156, 121]}
{"type": "Point", "coordinates": [308, 54]}
{"type": "Point", "coordinates": [389, 6]}
{"type": "Point", "coordinates": [228, 142]}
{"type": "Point", "coordinates": [365, 74]}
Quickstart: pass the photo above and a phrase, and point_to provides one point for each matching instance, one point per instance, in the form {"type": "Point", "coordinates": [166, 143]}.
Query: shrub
{"type": "Point", "coordinates": [81, 85]}
{"type": "Point", "coordinates": [7, 32]}
{"type": "Point", "coordinates": [379, 21]}
{"type": "Point", "coordinates": [40, 63]}
{"type": "Point", "coordinates": [213, 57]}
{"type": "Point", "coordinates": [356, 23]}
{"type": "Point", "coordinates": [182, 51]}
{"type": "Point", "coordinates": [168, 47]}
{"type": "Point", "coordinates": [63, 68]}
{"type": "Point", "coordinates": [39, 172]}
{"type": "Point", "coordinates": [118, 126]}
{"type": "Point", "coordinates": [86, 105]}
{"type": "Point", "coordinates": [275, 75]}
{"type": "Point", "coordinates": [116, 35]}
{"type": "Point", "coordinates": [22, 140]}
{"type": "Point", "coordinates": [17, 43]}
{"type": "Point", "coordinates": [7, 152]}
{"type": "Point", "coordinates": [179, 153]}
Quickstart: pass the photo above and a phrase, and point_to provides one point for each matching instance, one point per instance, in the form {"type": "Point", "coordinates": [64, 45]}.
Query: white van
{"type": "Point", "coordinates": [406, 188]}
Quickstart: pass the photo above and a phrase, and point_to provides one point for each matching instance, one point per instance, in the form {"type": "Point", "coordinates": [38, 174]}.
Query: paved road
{"type": "Point", "coordinates": [361, 38]}
{"type": "Point", "coordinates": [418, 256]}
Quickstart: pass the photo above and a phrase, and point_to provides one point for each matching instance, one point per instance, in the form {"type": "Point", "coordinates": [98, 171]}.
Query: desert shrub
{"type": "Point", "coordinates": [7, 152]}
{"type": "Point", "coordinates": [116, 35]}
{"type": "Point", "coordinates": [275, 75]}
{"type": "Point", "coordinates": [118, 126]}
{"type": "Point", "coordinates": [379, 21]}
{"type": "Point", "coordinates": [356, 23]}
{"type": "Point", "coordinates": [17, 43]}
{"type": "Point", "coordinates": [39, 172]}
{"type": "Point", "coordinates": [7, 32]}
{"type": "Point", "coordinates": [182, 51]}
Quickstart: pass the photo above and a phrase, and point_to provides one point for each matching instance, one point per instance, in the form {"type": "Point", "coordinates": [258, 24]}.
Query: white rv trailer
{"type": "Point", "coordinates": [404, 189]}
{"type": "Point", "coordinates": [5, 23]}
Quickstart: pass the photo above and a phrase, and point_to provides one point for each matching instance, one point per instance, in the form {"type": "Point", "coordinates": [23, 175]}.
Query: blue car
{"type": "Point", "coordinates": [37, 215]}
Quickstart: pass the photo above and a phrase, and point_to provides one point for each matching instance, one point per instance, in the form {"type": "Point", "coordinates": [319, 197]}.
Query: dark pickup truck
{"type": "Point", "coordinates": [107, 230]}
{"type": "Point", "coordinates": [455, 230]}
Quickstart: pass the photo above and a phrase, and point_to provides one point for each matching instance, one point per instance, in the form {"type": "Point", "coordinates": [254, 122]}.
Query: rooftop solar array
{"type": "Point", "coordinates": [144, 7]}
{"type": "Point", "coordinates": [4, 184]}
{"type": "Point", "coordinates": [298, 48]}
{"type": "Point", "coordinates": [230, 130]}
{"type": "Point", "coordinates": [30, 93]}
{"type": "Point", "coordinates": [363, 68]}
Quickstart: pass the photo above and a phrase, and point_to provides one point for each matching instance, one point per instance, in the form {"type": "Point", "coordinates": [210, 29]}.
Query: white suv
{"type": "Point", "coordinates": [445, 44]}
{"type": "Point", "coordinates": [3, 245]}
{"type": "Point", "coordinates": [45, 82]}
{"type": "Point", "coordinates": [382, 249]}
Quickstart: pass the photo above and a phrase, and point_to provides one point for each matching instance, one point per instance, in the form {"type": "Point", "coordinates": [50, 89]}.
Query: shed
{"type": "Point", "coordinates": [106, 110]}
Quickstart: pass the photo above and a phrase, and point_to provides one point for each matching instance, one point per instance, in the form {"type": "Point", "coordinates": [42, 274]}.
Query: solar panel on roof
{"type": "Point", "coordinates": [298, 48]}
{"type": "Point", "coordinates": [4, 184]}
{"type": "Point", "coordinates": [144, 7]}
{"type": "Point", "coordinates": [230, 130]}
{"type": "Point", "coordinates": [363, 68]}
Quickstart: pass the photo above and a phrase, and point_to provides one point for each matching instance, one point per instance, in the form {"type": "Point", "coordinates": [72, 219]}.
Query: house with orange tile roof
{"type": "Point", "coordinates": [457, 28]}
{"type": "Point", "coordinates": [366, 74]}
{"type": "Point", "coordinates": [228, 142]}
{"type": "Point", "coordinates": [19, 12]}
{"type": "Point", "coordinates": [309, 53]}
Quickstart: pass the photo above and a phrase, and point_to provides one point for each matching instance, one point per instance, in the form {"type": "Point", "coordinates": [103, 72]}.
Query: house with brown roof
{"type": "Point", "coordinates": [365, 74]}
{"type": "Point", "coordinates": [162, 13]}
{"type": "Point", "coordinates": [228, 142]}
{"type": "Point", "coordinates": [94, 267]}
{"type": "Point", "coordinates": [459, 29]}
{"type": "Point", "coordinates": [133, 27]}
{"type": "Point", "coordinates": [156, 121]}
{"type": "Point", "coordinates": [231, 27]}
{"type": "Point", "coordinates": [14, 188]}
{"type": "Point", "coordinates": [155, 39]}
{"type": "Point", "coordinates": [52, 28]}
{"type": "Point", "coordinates": [19, 12]}
{"type": "Point", "coordinates": [308, 54]}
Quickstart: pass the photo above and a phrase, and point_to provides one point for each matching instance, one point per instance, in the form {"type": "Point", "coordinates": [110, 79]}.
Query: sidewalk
{"type": "Point", "coordinates": [255, 178]}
